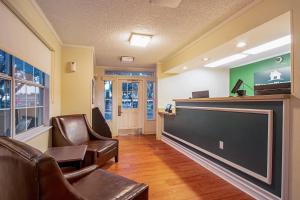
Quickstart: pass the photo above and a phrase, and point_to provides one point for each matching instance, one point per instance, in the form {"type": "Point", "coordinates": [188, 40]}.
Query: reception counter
{"type": "Point", "coordinates": [242, 139]}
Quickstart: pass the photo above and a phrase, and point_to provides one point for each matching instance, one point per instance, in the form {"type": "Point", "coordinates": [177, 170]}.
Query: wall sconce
{"type": "Point", "coordinates": [73, 66]}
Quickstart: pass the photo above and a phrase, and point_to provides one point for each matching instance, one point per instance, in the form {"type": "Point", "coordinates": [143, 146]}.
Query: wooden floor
{"type": "Point", "coordinates": [169, 174]}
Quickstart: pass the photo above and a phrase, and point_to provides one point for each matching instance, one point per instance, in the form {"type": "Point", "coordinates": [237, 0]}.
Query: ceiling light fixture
{"type": "Point", "coordinates": [139, 40]}
{"type": "Point", "coordinates": [127, 59]}
{"type": "Point", "coordinates": [226, 60]}
{"type": "Point", "coordinates": [269, 45]}
{"type": "Point", "coordinates": [184, 67]}
{"type": "Point", "coordinates": [205, 59]}
{"type": "Point", "coordinates": [166, 3]}
{"type": "Point", "coordinates": [241, 44]}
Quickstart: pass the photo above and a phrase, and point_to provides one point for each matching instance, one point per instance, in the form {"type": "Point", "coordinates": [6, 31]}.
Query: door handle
{"type": "Point", "coordinates": [119, 111]}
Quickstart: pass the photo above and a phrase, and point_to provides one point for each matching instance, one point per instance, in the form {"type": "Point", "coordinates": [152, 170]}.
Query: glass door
{"type": "Point", "coordinates": [130, 105]}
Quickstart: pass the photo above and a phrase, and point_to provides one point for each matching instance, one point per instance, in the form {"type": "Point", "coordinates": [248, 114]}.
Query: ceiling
{"type": "Point", "coordinates": [106, 25]}
{"type": "Point", "coordinates": [271, 30]}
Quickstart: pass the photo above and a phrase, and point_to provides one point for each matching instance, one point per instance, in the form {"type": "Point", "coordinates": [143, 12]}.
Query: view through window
{"type": "Point", "coordinates": [150, 100]}
{"type": "Point", "coordinates": [30, 89]}
{"type": "Point", "coordinates": [108, 100]}
{"type": "Point", "coordinates": [130, 97]}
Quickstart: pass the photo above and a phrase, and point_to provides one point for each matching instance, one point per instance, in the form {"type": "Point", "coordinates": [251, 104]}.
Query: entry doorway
{"type": "Point", "coordinates": [130, 106]}
{"type": "Point", "coordinates": [128, 101]}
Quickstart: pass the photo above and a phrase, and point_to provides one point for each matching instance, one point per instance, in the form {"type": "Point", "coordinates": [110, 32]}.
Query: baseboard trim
{"type": "Point", "coordinates": [239, 182]}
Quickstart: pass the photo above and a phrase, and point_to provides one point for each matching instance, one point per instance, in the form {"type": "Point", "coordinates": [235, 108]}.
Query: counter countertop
{"type": "Point", "coordinates": [275, 97]}
{"type": "Point", "coordinates": [166, 113]}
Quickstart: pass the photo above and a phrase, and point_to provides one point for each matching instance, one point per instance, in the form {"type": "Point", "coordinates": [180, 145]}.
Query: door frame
{"type": "Point", "coordinates": [115, 79]}
{"type": "Point", "coordinates": [141, 99]}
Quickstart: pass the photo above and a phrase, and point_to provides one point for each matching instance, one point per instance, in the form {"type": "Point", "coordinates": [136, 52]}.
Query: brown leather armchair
{"type": "Point", "coordinates": [28, 174]}
{"type": "Point", "coordinates": [71, 130]}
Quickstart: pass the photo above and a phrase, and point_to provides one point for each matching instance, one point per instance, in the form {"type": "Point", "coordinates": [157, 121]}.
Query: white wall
{"type": "Point", "coordinates": [182, 85]}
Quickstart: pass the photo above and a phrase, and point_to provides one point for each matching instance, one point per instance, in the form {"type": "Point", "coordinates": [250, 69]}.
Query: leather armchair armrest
{"type": "Point", "coordinates": [74, 176]}
{"type": "Point", "coordinates": [93, 134]}
{"type": "Point", "coordinates": [96, 136]}
{"type": "Point", "coordinates": [90, 157]}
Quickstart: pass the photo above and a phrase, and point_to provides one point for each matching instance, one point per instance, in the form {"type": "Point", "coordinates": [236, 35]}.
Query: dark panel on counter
{"type": "Point", "coordinates": [244, 136]}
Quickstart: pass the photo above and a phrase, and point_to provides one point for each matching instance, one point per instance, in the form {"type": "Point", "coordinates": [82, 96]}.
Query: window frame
{"type": "Point", "coordinates": [37, 130]}
{"type": "Point", "coordinates": [116, 78]}
{"type": "Point", "coordinates": [104, 99]}
{"type": "Point", "coordinates": [7, 77]}
{"type": "Point", "coordinates": [131, 91]}
{"type": "Point", "coordinates": [129, 73]}
{"type": "Point", "coordinates": [27, 83]}
{"type": "Point", "coordinates": [154, 100]}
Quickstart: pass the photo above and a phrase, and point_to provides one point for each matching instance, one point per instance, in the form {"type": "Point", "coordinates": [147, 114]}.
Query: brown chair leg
{"type": "Point", "coordinates": [117, 158]}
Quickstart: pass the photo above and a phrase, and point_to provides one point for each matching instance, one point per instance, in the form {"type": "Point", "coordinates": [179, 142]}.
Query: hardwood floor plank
{"type": "Point", "coordinates": [169, 174]}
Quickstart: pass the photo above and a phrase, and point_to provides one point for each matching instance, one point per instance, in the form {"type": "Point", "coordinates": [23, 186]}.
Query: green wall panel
{"type": "Point", "coordinates": [246, 72]}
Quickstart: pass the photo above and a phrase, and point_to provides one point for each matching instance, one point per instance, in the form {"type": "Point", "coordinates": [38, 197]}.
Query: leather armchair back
{"type": "Point", "coordinates": [72, 127]}
{"type": "Point", "coordinates": [17, 172]}
{"type": "Point", "coordinates": [27, 174]}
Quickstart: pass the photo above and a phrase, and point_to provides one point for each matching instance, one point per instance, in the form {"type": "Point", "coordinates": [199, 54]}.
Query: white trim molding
{"type": "Point", "coordinates": [239, 182]}
{"type": "Point", "coordinates": [285, 150]}
{"type": "Point", "coordinates": [43, 16]}
{"type": "Point", "coordinates": [29, 135]}
{"type": "Point", "coordinates": [269, 113]}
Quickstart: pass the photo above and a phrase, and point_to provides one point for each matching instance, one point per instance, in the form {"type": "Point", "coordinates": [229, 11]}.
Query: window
{"type": "Point", "coordinates": [5, 61]}
{"type": "Point", "coordinates": [108, 100]}
{"type": "Point", "coordinates": [150, 100]}
{"type": "Point", "coordinates": [130, 97]}
{"type": "Point", "coordinates": [29, 91]}
{"type": "Point", "coordinates": [5, 107]}
{"type": "Point", "coordinates": [129, 73]}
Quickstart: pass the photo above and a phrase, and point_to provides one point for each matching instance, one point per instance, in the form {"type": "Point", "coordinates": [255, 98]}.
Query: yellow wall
{"type": "Point", "coordinates": [77, 86]}
{"type": "Point", "coordinates": [29, 12]}
{"type": "Point", "coordinates": [99, 90]}
{"type": "Point", "coordinates": [70, 92]}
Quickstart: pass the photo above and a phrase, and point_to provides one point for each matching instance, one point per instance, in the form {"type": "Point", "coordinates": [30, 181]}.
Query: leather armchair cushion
{"type": "Point", "coordinates": [112, 186]}
{"type": "Point", "coordinates": [101, 146]}
{"type": "Point", "coordinates": [75, 129]}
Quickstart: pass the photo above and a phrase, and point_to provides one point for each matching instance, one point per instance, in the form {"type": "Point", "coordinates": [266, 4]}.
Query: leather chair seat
{"type": "Point", "coordinates": [28, 174]}
{"type": "Point", "coordinates": [101, 146]}
{"type": "Point", "coordinates": [71, 130]}
{"type": "Point", "coordinates": [123, 188]}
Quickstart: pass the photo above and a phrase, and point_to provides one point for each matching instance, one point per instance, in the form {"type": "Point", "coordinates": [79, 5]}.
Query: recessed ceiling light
{"type": "Point", "coordinates": [205, 59]}
{"type": "Point", "coordinates": [127, 59]}
{"type": "Point", "coordinates": [184, 67]}
{"type": "Point", "coordinates": [226, 60]}
{"type": "Point", "coordinates": [241, 44]}
{"type": "Point", "coordinates": [140, 40]}
{"type": "Point", "coordinates": [270, 45]}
